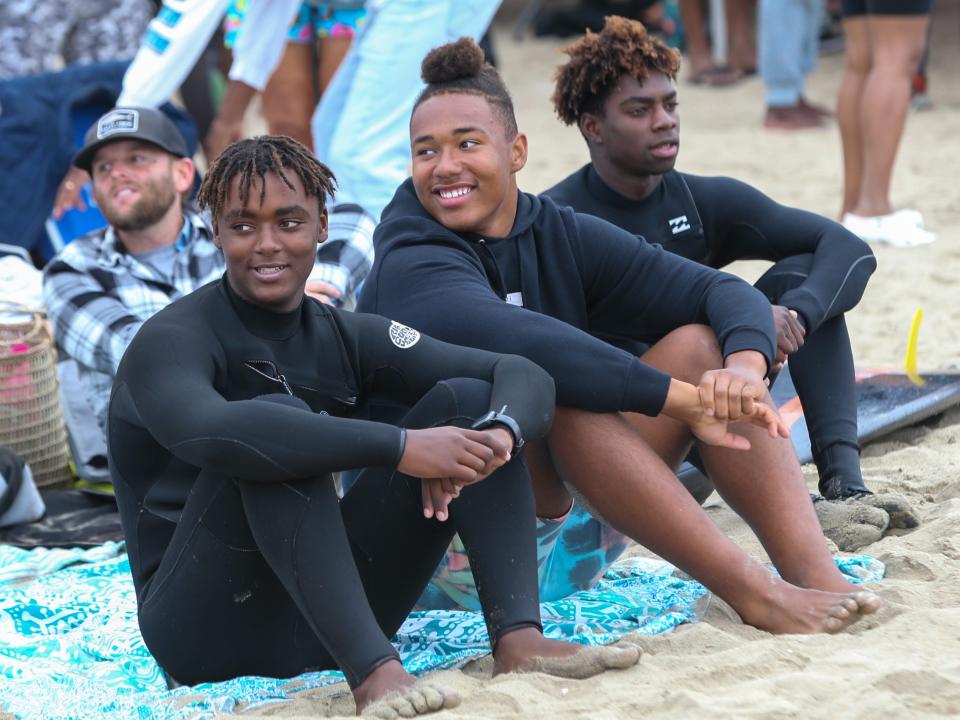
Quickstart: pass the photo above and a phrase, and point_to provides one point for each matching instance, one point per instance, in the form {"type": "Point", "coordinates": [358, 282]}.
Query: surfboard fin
{"type": "Point", "coordinates": [910, 363]}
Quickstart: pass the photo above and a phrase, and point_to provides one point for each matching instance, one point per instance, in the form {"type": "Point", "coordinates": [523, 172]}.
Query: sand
{"type": "Point", "coordinates": [905, 662]}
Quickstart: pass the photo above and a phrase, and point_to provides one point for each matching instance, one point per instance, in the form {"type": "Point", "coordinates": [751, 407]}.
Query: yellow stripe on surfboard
{"type": "Point", "coordinates": [910, 363]}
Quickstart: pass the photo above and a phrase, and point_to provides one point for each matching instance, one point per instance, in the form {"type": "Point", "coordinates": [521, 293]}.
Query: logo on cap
{"type": "Point", "coordinates": [117, 121]}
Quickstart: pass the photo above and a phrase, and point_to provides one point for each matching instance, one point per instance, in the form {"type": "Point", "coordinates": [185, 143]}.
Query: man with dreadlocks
{"type": "Point", "coordinates": [618, 88]}
{"type": "Point", "coordinates": [233, 406]}
{"type": "Point", "coordinates": [102, 287]}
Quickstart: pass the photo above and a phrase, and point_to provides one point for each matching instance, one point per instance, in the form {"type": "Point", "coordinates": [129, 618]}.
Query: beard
{"type": "Point", "coordinates": [156, 197]}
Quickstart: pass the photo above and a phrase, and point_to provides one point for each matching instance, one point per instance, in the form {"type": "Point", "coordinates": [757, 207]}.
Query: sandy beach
{"type": "Point", "coordinates": [904, 662]}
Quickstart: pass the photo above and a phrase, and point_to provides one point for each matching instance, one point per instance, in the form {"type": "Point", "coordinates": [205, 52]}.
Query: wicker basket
{"type": "Point", "coordinates": [31, 420]}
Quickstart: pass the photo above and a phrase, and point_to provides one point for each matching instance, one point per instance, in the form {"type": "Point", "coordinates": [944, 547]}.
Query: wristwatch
{"type": "Point", "coordinates": [495, 418]}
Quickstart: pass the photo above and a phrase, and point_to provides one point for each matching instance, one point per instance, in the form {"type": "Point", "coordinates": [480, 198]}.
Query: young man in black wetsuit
{"type": "Point", "coordinates": [232, 407]}
{"type": "Point", "coordinates": [618, 87]}
{"type": "Point", "coordinates": [461, 251]}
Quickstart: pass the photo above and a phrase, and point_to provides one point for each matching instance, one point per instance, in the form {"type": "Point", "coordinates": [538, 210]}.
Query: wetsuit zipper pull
{"type": "Point", "coordinates": [286, 385]}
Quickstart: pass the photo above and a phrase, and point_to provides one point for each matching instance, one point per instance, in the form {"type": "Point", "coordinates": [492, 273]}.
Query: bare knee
{"type": "Point", "coordinates": [687, 353]}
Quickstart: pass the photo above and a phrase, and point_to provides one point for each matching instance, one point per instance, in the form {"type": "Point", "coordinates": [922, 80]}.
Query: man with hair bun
{"type": "Point", "coordinates": [462, 254]}
{"type": "Point", "coordinates": [618, 88]}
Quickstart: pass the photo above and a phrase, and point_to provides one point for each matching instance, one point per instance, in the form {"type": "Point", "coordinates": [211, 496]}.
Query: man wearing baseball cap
{"type": "Point", "coordinates": [103, 286]}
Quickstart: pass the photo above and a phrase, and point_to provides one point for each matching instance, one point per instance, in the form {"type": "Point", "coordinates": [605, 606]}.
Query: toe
{"type": "Point", "coordinates": [381, 711]}
{"type": "Point", "coordinates": [433, 696]}
{"type": "Point", "coordinates": [418, 699]}
{"type": "Point", "coordinates": [405, 707]}
{"type": "Point", "coordinates": [450, 699]}
{"type": "Point", "coordinates": [839, 612]}
{"type": "Point", "coordinates": [833, 625]}
{"type": "Point", "coordinates": [868, 602]}
{"type": "Point", "coordinates": [621, 655]}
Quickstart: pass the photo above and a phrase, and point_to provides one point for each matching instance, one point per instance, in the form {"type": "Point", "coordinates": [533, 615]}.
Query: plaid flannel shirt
{"type": "Point", "coordinates": [98, 296]}
{"type": "Point", "coordinates": [347, 256]}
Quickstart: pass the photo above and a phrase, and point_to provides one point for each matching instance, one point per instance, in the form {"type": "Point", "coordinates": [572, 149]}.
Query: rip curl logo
{"type": "Point", "coordinates": [118, 121]}
{"type": "Point", "coordinates": [402, 336]}
{"type": "Point", "coordinates": [679, 224]}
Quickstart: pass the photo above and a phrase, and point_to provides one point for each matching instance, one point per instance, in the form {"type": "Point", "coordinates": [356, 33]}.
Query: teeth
{"type": "Point", "coordinates": [272, 270]}
{"type": "Point", "coordinates": [450, 194]}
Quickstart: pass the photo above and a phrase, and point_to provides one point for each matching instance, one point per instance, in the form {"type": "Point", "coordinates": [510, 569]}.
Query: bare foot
{"type": "Point", "coordinates": [527, 650]}
{"type": "Point", "coordinates": [391, 692]}
{"type": "Point", "coordinates": [792, 117]}
{"type": "Point", "coordinates": [792, 610]}
{"type": "Point", "coordinates": [816, 109]}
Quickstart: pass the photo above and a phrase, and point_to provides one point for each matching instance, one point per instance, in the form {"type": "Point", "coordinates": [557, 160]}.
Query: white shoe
{"type": "Point", "coordinates": [914, 217]}
{"type": "Point", "coordinates": [899, 229]}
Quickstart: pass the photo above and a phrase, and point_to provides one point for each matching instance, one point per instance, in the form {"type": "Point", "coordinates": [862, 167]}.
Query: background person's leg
{"type": "Point", "coordinates": [742, 33]}
{"type": "Point", "coordinates": [857, 61]}
{"type": "Point", "coordinates": [290, 95]}
{"type": "Point", "coordinates": [897, 47]}
{"type": "Point", "coordinates": [783, 36]}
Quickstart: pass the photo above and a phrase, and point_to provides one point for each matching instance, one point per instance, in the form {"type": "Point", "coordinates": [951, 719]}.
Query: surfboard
{"type": "Point", "coordinates": [887, 400]}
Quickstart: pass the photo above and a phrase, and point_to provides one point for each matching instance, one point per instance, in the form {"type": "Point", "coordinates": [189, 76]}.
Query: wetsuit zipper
{"type": "Point", "coordinates": [274, 374]}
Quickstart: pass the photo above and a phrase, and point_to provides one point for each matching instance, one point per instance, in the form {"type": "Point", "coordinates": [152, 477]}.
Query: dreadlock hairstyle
{"type": "Point", "coordinates": [254, 158]}
{"type": "Point", "coordinates": [460, 67]}
{"type": "Point", "coordinates": [599, 60]}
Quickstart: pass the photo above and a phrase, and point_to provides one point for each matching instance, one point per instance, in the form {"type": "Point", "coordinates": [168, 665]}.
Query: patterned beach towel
{"type": "Point", "coordinates": [70, 646]}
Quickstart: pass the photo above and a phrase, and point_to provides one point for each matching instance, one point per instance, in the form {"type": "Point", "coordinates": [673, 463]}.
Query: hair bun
{"type": "Point", "coordinates": [453, 61]}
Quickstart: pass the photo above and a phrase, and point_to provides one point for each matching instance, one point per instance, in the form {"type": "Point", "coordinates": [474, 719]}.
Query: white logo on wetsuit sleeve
{"type": "Point", "coordinates": [402, 336]}
{"type": "Point", "coordinates": [679, 224]}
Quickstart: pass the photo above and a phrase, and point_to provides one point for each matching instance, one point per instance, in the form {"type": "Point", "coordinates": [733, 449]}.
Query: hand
{"type": "Point", "coordinates": [436, 495]}
{"type": "Point", "coordinates": [323, 291]}
{"type": "Point", "coordinates": [730, 393]}
{"type": "Point", "coordinates": [68, 194]}
{"type": "Point", "coordinates": [790, 334]}
{"type": "Point", "coordinates": [453, 457]}
{"type": "Point", "coordinates": [714, 431]}
{"type": "Point", "coordinates": [222, 133]}
{"type": "Point", "coordinates": [685, 405]}
{"type": "Point", "coordinates": [501, 441]}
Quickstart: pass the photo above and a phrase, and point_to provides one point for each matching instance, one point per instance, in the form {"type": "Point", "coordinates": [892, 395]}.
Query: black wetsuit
{"type": "Point", "coordinates": [820, 270]}
{"type": "Point", "coordinates": [225, 423]}
{"type": "Point", "coordinates": [573, 275]}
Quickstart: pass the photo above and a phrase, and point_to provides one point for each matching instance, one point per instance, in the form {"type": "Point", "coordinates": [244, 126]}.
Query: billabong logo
{"type": "Point", "coordinates": [402, 336]}
{"type": "Point", "coordinates": [127, 121]}
{"type": "Point", "coordinates": [679, 224]}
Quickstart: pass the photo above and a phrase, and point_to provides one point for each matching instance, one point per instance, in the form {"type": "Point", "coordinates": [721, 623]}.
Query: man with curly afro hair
{"type": "Point", "coordinates": [619, 89]}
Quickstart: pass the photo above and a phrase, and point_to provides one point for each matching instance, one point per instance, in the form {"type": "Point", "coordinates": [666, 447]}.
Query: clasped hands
{"type": "Point", "coordinates": [735, 393]}
{"type": "Point", "coordinates": [449, 458]}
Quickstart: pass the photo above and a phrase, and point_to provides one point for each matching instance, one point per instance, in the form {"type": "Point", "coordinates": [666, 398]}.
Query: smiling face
{"type": "Point", "coordinates": [464, 165]}
{"type": "Point", "coordinates": [136, 184]}
{"type": "Point", "coordinates": [270, 247]}
{"type": "Point", "coordinates": [638, 133]}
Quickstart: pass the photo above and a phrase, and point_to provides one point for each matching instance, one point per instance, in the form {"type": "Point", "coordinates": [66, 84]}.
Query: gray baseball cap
{"type": "Point", "coordinates": [131, 123]}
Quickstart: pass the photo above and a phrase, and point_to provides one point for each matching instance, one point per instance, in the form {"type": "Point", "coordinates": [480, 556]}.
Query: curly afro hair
{"type": "Point", "coordinates": [599, 60]}
{"type": "Point", "coordinates": [460, 67]}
